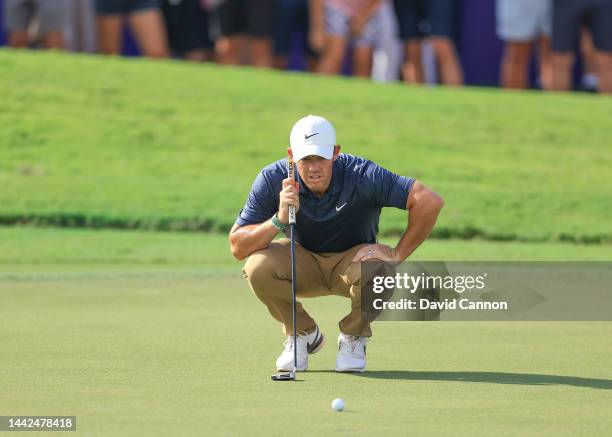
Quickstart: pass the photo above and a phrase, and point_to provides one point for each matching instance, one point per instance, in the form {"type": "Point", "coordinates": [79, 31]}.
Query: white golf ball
{"type": "Point", "coordinates": [338, 404]}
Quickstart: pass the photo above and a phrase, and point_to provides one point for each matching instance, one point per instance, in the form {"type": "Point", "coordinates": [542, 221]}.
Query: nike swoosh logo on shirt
{"type": "Point", "coordinates": [338, 208]}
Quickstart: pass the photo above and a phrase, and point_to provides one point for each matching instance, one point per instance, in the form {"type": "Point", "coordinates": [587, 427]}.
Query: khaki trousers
{"type": "Point", "coordinates": [268, 272]}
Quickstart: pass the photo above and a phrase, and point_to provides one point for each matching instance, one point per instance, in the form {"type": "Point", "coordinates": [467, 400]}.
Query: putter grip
{"type": "Point", "coordinates": [292, 215]}
{"type": "Point", "coordinates": [291, 171]}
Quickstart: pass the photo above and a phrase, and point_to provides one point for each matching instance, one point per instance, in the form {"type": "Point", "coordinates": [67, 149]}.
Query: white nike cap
{"type": "Point", "coordinates": [312, 135]}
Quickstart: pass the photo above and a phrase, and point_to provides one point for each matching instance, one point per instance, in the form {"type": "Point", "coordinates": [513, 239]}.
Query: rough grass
{"type": "Point", "coordinates": [98, 142]}
{"type": "Point", "coordinates": [31, 249]}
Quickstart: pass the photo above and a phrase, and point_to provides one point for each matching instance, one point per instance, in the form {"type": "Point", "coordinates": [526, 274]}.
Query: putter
{"type": "Point", "coordinates": [291, 375]}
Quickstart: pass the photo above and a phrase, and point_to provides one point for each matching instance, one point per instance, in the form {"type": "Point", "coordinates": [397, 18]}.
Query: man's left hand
{"type": "Point", "coordinates": [378, 252]}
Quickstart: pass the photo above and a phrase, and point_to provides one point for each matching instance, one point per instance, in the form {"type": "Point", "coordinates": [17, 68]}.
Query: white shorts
{"type": "Point", "coordinates": [338, 23]}
{"type": "Point", "coordinates": [523, 20]}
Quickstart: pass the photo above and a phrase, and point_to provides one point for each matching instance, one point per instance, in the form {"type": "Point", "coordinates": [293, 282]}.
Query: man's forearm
{"type": "Point", "coordinates": [248, 239]}
{"type": "Point", "coordinates": [424, 210]}
{"type": "Point", "coordinates": [420, 226]}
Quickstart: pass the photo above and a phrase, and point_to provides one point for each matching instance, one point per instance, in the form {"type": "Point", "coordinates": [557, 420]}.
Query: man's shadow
{"type": "Point", "coordinates": [487, 377]}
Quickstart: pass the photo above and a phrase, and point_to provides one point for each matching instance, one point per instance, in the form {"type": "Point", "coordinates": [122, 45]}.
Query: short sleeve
{"type": "Point", "coordinates": [261, 204]}
{"type": "Point", "coordinates": [388, 188]}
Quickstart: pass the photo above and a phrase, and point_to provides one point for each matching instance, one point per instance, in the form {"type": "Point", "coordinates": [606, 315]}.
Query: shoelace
{"type": "Point", "coordinates": [288, 343]}
{"type": "Point", "coordinates": [352, 342]}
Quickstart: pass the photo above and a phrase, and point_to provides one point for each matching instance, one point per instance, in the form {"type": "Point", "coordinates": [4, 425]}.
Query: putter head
{"type": "Point", "coordinates": [284, 377]}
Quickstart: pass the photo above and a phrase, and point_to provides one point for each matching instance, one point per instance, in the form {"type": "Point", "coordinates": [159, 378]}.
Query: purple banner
{"type": "Point", "coordinates": [3, 40]}
{"type": "Point", "coordinates": [479, 48]}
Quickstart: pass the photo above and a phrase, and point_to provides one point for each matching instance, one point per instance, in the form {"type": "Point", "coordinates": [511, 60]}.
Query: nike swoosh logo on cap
{"type": "Point", "coordinates": [311, 135]}
{"type": "Point", "coordinates": [338, 208]}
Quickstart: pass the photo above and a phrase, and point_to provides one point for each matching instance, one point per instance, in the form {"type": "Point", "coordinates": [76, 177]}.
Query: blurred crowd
{"type": "Point", "coordinates": [413, 40]}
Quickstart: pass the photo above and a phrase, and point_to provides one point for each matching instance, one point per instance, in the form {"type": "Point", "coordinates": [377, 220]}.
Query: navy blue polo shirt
{"type": "Point", "coordinates": [346, 215]}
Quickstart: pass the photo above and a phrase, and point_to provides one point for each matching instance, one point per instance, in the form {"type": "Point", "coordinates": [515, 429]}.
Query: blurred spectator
{"type": "Point", "coordinates": [246, 29]}
{"type": "Point", "coordinates": [589, 81]}
{"type": "Point", "coordinates": [81, 31]}
{"type": "Point", "coordinates": [145, 20]}
{"type": "Point", "coordinates": [387, 56]}
{"type": "Point", "coordinates": [568, 17]}
{"type": "Point", "coordinates": [292, 20]}
{"type": "Point", "coordinates": [433, 19]}
{"type": "Point", "coordinates": [188, 31]}
{"type": "Point", "coordinates": [22, 16]}
{"type": "Point", "coordinates": [337, 23]}
{"type": "Point", "coordinates": [520, 23]}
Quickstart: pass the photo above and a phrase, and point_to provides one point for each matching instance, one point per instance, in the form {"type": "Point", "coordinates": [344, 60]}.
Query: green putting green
{"type": "Point", "coordinates": [192, 354]}
{"type": "Point", "coordinates": [145, 333]}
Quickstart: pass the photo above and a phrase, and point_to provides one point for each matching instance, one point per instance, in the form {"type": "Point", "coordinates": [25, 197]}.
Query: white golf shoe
{"type": "Point", "coordinates": [351, 353]}
{"type": "Point", "coordinates": [306, 344]}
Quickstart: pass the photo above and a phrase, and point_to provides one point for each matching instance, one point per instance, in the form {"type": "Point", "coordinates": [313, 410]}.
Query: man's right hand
{"type": "Point", "coordinates": [290, 195]}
